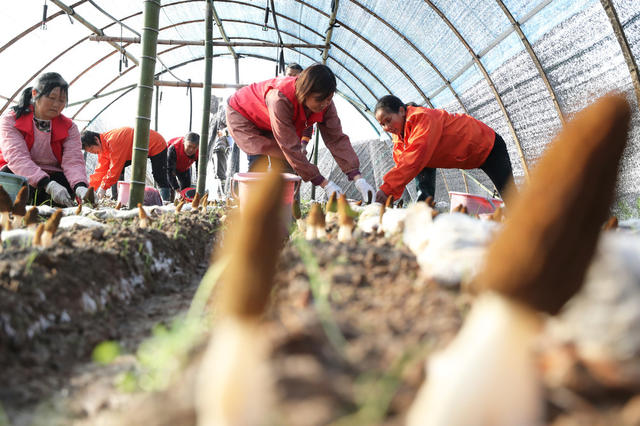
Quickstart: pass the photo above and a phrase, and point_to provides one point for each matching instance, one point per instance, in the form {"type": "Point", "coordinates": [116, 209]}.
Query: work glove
{"type": "Point", "coordinates": [381, 197]}
{"type": "Point", "coordinates": [81, 191]}
{"type": "Point", "coordinates": [330, 188]}
{"type": "Point", "coordinates": [59, 193]}
{"type": "Point", "coordinates": [101, 193]}
{"type": "Point", "coordinates": [365, 189]}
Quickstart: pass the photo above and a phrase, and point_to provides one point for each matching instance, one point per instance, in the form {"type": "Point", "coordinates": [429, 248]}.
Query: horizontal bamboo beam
{"type": "Point", "coordinates": [201, 42]}
{"type": "Point", "coordinates": [192, 84]}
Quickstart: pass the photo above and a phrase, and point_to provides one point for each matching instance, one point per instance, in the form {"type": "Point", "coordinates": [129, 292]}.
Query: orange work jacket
{"type": "Point", "coordinates": [437, 139]}
{"type": "Point", "coordinates": [117, 146]}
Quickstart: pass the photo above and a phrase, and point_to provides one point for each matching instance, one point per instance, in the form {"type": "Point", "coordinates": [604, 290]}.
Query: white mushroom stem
{"type": "Point", "coordinates": [344, 232]}
{"type": "Point", "coordinates": [315, 232]}
{"type": "Point", "coordinates": [234, 384]}
{"type": "Point", "coordinates": [6, 220]}
{"type": "Point", "coordinates": [487, 374]}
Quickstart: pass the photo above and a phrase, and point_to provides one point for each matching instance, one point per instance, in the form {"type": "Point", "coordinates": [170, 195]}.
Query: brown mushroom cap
{"type": "Point", "coordinates": [19, 206]}
{"type": "Point", "coordinates": [5, 200]}
{"type": "Point", "coordinates": [316, 216]}
{"type": "Point", "coordinates": [554, 223]}
{"type": "Point", "coordinates": [51, 225]}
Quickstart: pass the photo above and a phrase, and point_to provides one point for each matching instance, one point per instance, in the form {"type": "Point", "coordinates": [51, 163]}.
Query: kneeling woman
{"type": "Point", "coordinates": [41, 144]}
{"type": "Point", "coordinates": [268, 119]}
{"type": "Point", "coordinates": [425, 139]}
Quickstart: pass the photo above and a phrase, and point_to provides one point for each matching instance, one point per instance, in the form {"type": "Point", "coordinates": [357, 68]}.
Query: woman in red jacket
{"type": "Point", "coordinates": [426, 138]}
{"type": "Point", "coordinates": [269, 117]}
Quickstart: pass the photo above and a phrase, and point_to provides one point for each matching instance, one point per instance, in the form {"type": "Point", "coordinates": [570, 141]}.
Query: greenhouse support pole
{"type": "Point", "coordinates": [145, 98]}
{"type": "Point", "coordinates": [206, 99]}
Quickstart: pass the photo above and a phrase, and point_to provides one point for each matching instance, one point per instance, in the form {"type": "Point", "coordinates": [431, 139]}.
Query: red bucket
{"type": "Point", "coordinates": [246, 181]}
{"type": "Point", "coordinates": [475, 204]}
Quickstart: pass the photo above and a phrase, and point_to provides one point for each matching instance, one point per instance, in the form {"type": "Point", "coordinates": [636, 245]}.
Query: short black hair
{"type": "Point", "coordinates": [192, 137]}
{"type": "Point", "coordinates": [294, 66]}
{"type": "Point", "coordinates": [88, 139]}
{"type": "Point", "coordinates": [389, 103]}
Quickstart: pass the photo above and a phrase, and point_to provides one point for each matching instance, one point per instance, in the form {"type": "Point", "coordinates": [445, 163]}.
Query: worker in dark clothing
{"type": "Point", "coordinates": [182, 153]}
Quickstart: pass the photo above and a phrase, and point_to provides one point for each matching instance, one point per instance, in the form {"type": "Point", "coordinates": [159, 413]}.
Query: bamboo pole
{"type": "Point", "coordinates": [145, 98]}
{"type": "Point", "coordinates": [198, 85]}
{"type": "Point", "coordinates": [206, 100]}
{"type": "Point", "coordinates": [215, 43]}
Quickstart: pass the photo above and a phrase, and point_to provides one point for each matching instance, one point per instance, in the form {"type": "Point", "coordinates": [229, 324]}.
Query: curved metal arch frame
{"type": "Point", "coordinates": [361, 105]}
{"type": "Point", "coordinates": [366, 109]}
{"type": "Point", "coordinates": [610, 10]}
{"type": "Point", "coordinates": [374, 47]}
{"type": "Point", "coordinates": [36, 25]}
{"type": "Point", "coordinates": [347, 98]}
{"type": "Point", "coordinates": [527, 45]}
{"type": "Point", "coordinates": [319, 35]}
{"type": "Point", "coordinates": [305, 41]}
{"type": "Point", "coordinates": [418, 51]}
{"type": "Point", "coordinates": [310, 57]}
{"type": "Point", "coordinates": [101, 89]}
{"type": "Point", "coordinates": [489, 81]}
{"type": "Point", "coordinates": [221, 30]}
{"type": "Point", "coordinates": [56, 58]}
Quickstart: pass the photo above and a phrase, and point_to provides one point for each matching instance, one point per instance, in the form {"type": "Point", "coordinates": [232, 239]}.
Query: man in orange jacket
{"type": "Point", "coordinates": [426, 138]}
{"type": "Point", "coordinates": [114, 149]}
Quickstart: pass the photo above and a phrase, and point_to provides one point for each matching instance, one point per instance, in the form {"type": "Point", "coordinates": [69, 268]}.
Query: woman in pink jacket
{"type": "Point", "coordinates": [41, 144]}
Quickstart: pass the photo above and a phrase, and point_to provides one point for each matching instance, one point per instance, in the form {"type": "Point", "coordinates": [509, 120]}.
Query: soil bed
{"type": "Point", "coordinates": [92, 285]}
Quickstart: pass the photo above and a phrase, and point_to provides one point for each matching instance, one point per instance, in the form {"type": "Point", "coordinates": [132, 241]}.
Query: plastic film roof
{"type": "Point", "coordinates": [520, 66]}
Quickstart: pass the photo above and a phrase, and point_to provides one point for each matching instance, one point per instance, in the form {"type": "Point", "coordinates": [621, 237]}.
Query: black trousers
{"type": "Point", "coordinates": [158, 170]}
{"type": "Point", "coordinates": [497, 166]}
{"type": "Point", "coordinates": [37, 196]}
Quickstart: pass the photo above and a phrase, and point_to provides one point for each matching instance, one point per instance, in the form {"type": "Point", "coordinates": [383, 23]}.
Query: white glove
{"type": "Point", "coordinates": [365, 189]}
{"type": "Point", "coordinates": [81, 191]}
{"type": "Point", "coordinates": [101, 193]}
{"type": "Point", "coordinates": [330, 188]}
{"type": "Point", "coordinates": [59, 193]}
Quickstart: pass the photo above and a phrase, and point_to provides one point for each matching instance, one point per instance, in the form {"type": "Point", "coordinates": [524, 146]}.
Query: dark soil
{"type": "Point", "coordinates": [388, 319]}
{"type": "Point", "coordinates": [92, 285]}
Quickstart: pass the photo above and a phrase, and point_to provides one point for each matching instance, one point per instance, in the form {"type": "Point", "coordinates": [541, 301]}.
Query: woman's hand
{"type": "Point", "coordinates": [330, 188]}
{"type": "Point", "coordinates": [59, 193]}
{"type": "Point", "coordinates": [365, 189]}
{"type": "Point", "coordinates": [81, 191]}
{"type": "Point", "coordinates": [101, 193]}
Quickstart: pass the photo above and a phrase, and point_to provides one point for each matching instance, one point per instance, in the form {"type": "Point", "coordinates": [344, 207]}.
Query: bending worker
{"type": "Point", "coordinates": [426, 138]}
{"type": "Point", "coordinates": [114, 150]}
{"type": "Point", "coordinates": [294, 70]}
{"type": "Point", "coordinates": [268, 118]}
{"type": "Point", "coordinates": [182, 153]}
{"type": "Point", "coordinates": [41, 144]}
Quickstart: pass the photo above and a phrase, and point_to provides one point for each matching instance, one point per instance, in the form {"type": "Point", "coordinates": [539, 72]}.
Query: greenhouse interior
{"type": "Point", "coordinates": [320, 212]}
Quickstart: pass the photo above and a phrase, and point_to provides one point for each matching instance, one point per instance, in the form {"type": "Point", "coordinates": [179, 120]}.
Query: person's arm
{"type": "Point", "coordinates": [172, 159]}
{"type": "Point", "coordinates": [72, 163]}
{"type": "Point", "coordinates": [284, 131]}
{"type": "Point", "coordinates": [104, 161]}
{"type": "Point", "coordinates": [338, 143]}
{"type": "Point", "coordinates": [422, 140]}
{"type": "Point", "coordinates": [16, 154]}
